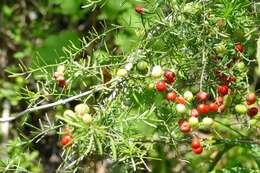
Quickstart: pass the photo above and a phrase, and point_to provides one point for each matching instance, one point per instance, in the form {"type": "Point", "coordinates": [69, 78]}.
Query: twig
{"type": "Point", "coordinates": [203, 69]}
{"type": "Point", "coordinates": [204, 62]}
{"type": "Point", "coordinates": [60, 102]}
{"type": "Point", "coordinates": [5, 126]}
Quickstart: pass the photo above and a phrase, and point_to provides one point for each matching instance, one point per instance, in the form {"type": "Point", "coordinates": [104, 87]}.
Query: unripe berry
{"type": "Point", "coordinates": [180, 108]}
{"type": "Point", "coordinates": [58, 75]}
{"type": "Point", "coordinates": [220, 48]}
{"type": "Point", "coordinates": [193, 121]}
{"type": "Point", "coordinates": [242, 109]}
{"type": "Point", "coordinates": [81, 109]}
{"type": "Point", "coordinates": [188, 96]}
{"type": "Point", "coordinates": [241, 66]}
{"type": "Point", "coordinates": [157, 71]}
{"type": "Point", "coordinates": [122, 72]}
{"type": "Point", "coordinates": [207, 122]}
{"type": "Point", "coordinates": [87, 118]}
{"type": "Point", "coordinates": [142, 66]}
{"type": "Point", "coordinates": [69, 113]}
{"type": "Point", "coordinates": [61, 68]}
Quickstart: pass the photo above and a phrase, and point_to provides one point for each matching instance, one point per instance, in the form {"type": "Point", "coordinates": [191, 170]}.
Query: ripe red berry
{"type": "Point", "coordinates": [202, 96]}
{"type": "Point", "coordinates": [223, 89]}
{"type": "Point", "coordinates": [252, 111]}
{"type": "Point", "coordinates": [195, 143]}
{"type": "Point", "coordinates": [203, 109]}
{"type": "Point", "coordinates": [219, 100]}
{"type": "Point", "coordinates": [180, 100]}
{"type": "Point", "coordinates": [194, 113]}
{"type": "Point", "coordinates": [169, 76]}
{"type": "Point", "coordinates": [161, 86]}
{"type": "Point", "coordinates": [185, 127]}
{"type": "Point", "coordinates": [250, 98]}
{"type": "Point", "coordinates": [181, 121]}
{"type": "Point", "coordinates": [139, 9]}
{"type": "Point", "coordinates": [197, 150]}
{"type": "Point", "coordinates": [171, 96]}
{"type": "Point", "coordinates": [65, 140]}
{"type": "Point", "coordinates": [62, 83]}
{"type": "Point", "coordinates": [239, 47]}
{"type": "Point", "coordinates": [213, 107]}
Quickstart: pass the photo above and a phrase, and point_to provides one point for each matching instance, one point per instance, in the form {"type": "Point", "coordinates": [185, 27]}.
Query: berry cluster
{"type": "Point", "coordinates": [204, 106]}
{"type": "Point", "coordinates": [81, 110]}
{"type": "Point", "coordinates": [59, 76]}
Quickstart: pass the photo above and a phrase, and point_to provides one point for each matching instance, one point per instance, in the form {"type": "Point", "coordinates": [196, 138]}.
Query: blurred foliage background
{"type": "Point", "coordinates": [31, 30]}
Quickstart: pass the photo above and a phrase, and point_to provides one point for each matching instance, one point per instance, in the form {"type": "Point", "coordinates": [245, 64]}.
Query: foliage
{"type": "Point", "coordinates": [133, 126]}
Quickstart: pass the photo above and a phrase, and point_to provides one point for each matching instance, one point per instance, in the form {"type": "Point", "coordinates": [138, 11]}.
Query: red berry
{"type": "Point", "coordinates": [194, 113]}
{"type": "Point", "coordinates": [185, 127]}
{"type": "Point", "coordinates": [202, 96]}
{"type": "Point", "coordinates": [213, 107]}
{"type": "Point", "coordinates": [223, 89]}
{"type": "Point", "coordinates": [181, 121]}
{"type": "Point", "coordinates": [252, 111]}
{"type": "Point", "coordinates": [180, 100]}
{"type": "Point", "coordinates": [169, 76]}
{"type": "Point", "coordinates": [239, 47]}
{"type": "Point", "coordinates": [250, 98]}
{"type": "Point", "coordinates": [62, 83]}
{"type": "Point", "coordinates": [161, 86]}
{"type": "Point", "coordinates": [171, 96]}
{"type": "Point", "coordinates": [65, 140]}
{"type": "Point", "coordinates": [203, 109]}
{"type": "Point", "coordinates": [197, 150]}
{"type": "Point", "coordinates": [195, 143]}
{"type": "Point", "coordinates": [219, 100]}
{"type": "Point", "coordinates": [139, 9]}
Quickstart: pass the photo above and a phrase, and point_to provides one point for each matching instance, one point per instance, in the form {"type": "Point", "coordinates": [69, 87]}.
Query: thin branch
{"type": "Point", "coordinates": [5, 115]}
{"type": "Point", "coordinates": [204, 61]}
{"type": "Point", "coordinates": [59, 102]}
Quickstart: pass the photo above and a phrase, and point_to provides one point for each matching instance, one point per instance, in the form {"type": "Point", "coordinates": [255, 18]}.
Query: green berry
{"type": "Point", "coordinates": [142, 66]}
{"type": "Point", "coordinates": [122, 72]}
{"type": "Point", "coordinates": [69, 113]}
{"type": "Point", "coordinates": [81, 109]}
{"type": "Point", "coordinates": [188, 96]}
{"type": "Point", "coordinates": [241, 109]}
